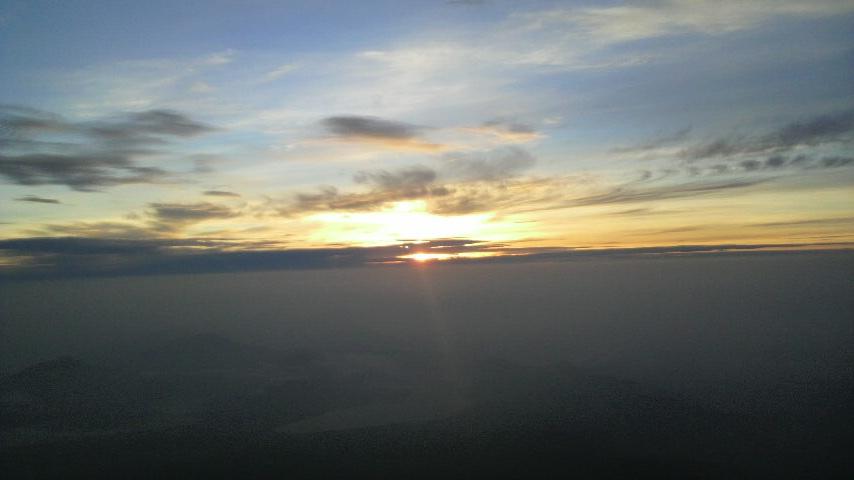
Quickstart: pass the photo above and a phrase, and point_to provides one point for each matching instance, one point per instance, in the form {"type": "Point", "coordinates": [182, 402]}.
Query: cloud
{"type": "Point", "coordinates": [809, 222]}
{"type": "Point", "coordinates": [220, 193]}
{"type": "Point", "coordinates": [127, 128]}
{"type": "Point", "coordinates": [18, 121]}
{"type": "Point", "coordinates": [330, 199]}
{"type": "Point", "coordinates": [632, 22]}
{"type": "Point", "coordinates": [386, 133]}
{"type": "Point", "coordinates": [92, 154]}
{"type": "Point", "coordinates": [51, 257]}
{"type": "Point", "coordinates": [113, 230]}
{"type": "Point", "coordinates": [144, 127]}
{"type": "Point", "coordinates": [407, 179]}
{"type": "Point", "coordinates": [657, 142]}
{"type": "Point", "coordinates": [493, 165]}
{"type": "Point", "coordinates": [385, 187]}
{"type": "Point", "coordinates": [823, 129]}
{"type": "Point", "coordinates": [278, 72]}
{"type": "Point", "coordinates": [629, 194]}
{"type": "Point", "coordinates": [158, 221]}
{"type": "Point", "coordinates": [83, 246]}
{"type": "Point", "coordinates": [82, 172]}
{"type": "Point", "coordinates": [507, 131]}
{"type": "Point", "coordinates": [171, 216]}
{"type": "Point", "coordinates": [476, 183]}
{"type": "Point", "coordinates": [353, 126]}
{"type": "Point", "coordinates": [35, 199]}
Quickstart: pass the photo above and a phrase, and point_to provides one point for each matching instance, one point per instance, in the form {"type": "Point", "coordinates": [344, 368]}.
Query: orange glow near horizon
{"type": "Point", "coordinates": [427, 257]}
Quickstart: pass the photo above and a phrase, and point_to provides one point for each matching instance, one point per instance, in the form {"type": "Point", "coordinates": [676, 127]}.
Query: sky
{"type": "Point", "coordinates": [208, 135]}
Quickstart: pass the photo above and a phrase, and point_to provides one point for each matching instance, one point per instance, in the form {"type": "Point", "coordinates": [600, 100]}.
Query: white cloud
{"type": "Point", "coordinates": [279, 72]}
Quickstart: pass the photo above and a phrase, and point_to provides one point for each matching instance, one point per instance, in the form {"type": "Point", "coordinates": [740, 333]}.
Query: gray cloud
{"type": "Point", "coordinates": [808, 222]}
{"type": "Point", "coordinates": [657, 142]}
{"type": "Point", "coordinates": [773, 163]}
{"type": "Point", "coordinates": [220, 193]}
{"type": "Point", "coordinates": [20, 121]}
{"type": "Point", "coordinates": [385, 187]}
{"type": "Point", "coordinates": [169, 216]}
{"type": "Point", "coordinates": [51, 257]}
{"type": "Point", "coordinates": [87, 246]}
{"type": "Point", "coordinates": [113, 230]}
{"type": "Point", "coordinates": [35, 199]}
{"type": "Point", "coordinates": [489, 166]}
{"type": "Point", "coordinates": [356, 126]}
{"type": "Point", "coordinates": [413, 178]}
{"type": "Point", "coordinates": [510, 126]}
{"type": "Point", "coordinates": [92, 154]}
{"type": "Point", "coordinates": [388, 134]}
{"type": "Point", "coordinates": [144, 128]}
{"type": "Point", "coordinates": [822, 129]}
{"type": "Point", "coordinates": [507, 130]}
{"type": "Point", "coordinates": [629, 194]}
{"type": "Point", "coordinates": [82, 172]}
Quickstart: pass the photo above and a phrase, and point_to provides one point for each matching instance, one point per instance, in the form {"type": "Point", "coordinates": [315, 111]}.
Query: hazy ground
{"type": "Point", "coordinates": [711, 366]}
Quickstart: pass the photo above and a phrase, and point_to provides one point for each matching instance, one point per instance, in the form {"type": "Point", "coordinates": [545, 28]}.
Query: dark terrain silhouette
{"type": "Point", "coordinates": [209, 407]}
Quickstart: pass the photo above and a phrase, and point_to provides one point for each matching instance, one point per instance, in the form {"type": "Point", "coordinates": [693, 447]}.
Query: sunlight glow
{"type": "Point", "coordinates": [406, 220]}
{"type": "Point", "coordinates": [426, 257]}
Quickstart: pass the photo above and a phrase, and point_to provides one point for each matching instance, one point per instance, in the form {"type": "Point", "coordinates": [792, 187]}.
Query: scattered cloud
{"type": "Point", "coordinates": [466, 183]}
{"type": "Point", "coordinates": [108, 229]}
{"type": "Point", "coordinates": [220, 193]}
{"type": "Point", "coordinates": [92, 154]}
{"type": "Point", "coordinates": [414, 178]}
{"type": "Point", "coordinates": [82, 172]}
{"type": "Point", "coordinates": [657, 142]}
{"type": "Point", "coordinates": [172, 216]}
{"type": "Point", "coordinates": [385, 186]}
{"type": "Point", "coordinates": [621, 23]}
{"type": "Point", "coordinates": [823, 129]}
{"type": "Point", "coordinates": [808, 222]}
{"type": "Point", "coordinates": [278, 72]}
{"type": "Point", "coordinates": [507, 131]}
{"type": "Point", "coordinates": [628, 194]}
{"type": "Point", "coordinates": [35, 199]}
{"type": "Point", "coordinates": [386, 133]}
{"type": "Point", "coordinates": [491, 165]}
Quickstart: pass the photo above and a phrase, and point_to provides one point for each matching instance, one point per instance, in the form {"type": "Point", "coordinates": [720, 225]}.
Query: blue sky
{"type": "Point", "coordinates": [283, 125]}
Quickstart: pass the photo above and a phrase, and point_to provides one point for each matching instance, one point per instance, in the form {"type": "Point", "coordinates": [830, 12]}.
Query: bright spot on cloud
{"type": "Point", "coordinates": [426, 257]}
{"type": "Point", "coordinates": [406, 220]}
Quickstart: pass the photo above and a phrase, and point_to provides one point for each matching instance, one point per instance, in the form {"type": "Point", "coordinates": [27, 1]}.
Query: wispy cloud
{"type": "Point", "coordinates": [91, 154]}
{"type": "Point", "coordinates": [385, 133]}
{"type": "Point", "coordinates": [823, 129]}
{"type": "Point", "coordinates": [506, 131]}
{"type": "Point", "coordinates": [466, 183]}
{"type": "Point", "coordinates": [35, 199]}
{"type": "Point", "coordinates": [278, 72]}
{"type": "Point", "coordinates": [490, 165]}
{"type": "Point", "coordinates": [172, 216]}
{"type": "Point", "coordinates": [637, 21]}
{"type": "Point", "coordinates": [220, 193]}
